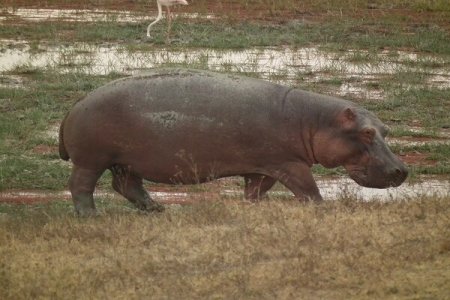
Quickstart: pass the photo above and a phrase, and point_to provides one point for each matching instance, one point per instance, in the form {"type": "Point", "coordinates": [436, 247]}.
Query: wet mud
{"type": "Point", "coordinates": [331, 189]}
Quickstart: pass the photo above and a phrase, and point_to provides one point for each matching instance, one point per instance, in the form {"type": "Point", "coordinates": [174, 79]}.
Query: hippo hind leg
{"type": "Point", "coordinates": [256, 186]}
{"type": "Point", "coordinates": [82, 185]}
{"type": "Point", "coordinates": [130, 186]}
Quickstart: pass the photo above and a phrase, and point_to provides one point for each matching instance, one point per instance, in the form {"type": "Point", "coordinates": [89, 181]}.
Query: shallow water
{"type": "Point", "coordinates": [335, 188]}
{"type": "Point", "coordinates": [88, 15]}
{"type": "Point", "coordinates": [277, 64]}
{"type": "Point", "coordinates": [282, 65]}
{"type": "Point", "coordinates": [332, 188]}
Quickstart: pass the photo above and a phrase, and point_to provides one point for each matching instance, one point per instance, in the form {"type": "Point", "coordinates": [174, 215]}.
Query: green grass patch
{"type": "Point", "coordinates": [27, 116]}
{"type": "Point", "coordinates": [223, 34]}
{"type": "Point", "coordinates": [424, 105]}
{"type": "Point", "coordinates": [399, 131]}
{"type": "Point", "coordinates": [438, 156]}
{"type": "Point", "coordinates": [21, 172]}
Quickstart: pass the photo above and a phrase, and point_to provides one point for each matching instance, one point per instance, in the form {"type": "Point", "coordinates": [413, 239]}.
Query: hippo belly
{"type": "Point", "coordinates": [187, 126]}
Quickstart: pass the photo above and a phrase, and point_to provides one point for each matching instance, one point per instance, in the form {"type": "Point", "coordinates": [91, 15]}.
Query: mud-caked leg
{"type": "Point", "coordinates": [82, 185]}
{"type": "Point", "coordinates": [256, 186]}
{"type": "Point", "coordinates": [130, 186]}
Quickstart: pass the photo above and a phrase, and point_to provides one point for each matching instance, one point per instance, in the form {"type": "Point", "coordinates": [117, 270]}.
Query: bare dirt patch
{"type": "Point", "coordinates": [45, 149]}
{"type": "Point", "coordinates": [418, 159]}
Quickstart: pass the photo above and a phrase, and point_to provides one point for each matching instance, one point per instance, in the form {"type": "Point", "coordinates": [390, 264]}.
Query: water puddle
{"type": "Point", "coordinates": [88, 15]}
{"type": "Point", "coordinates": [12, 81]}
{"type": "Point", "coordinates": [280, 64]}
{"type": "Point", "coordinates": [331, 189]}
{"type": "Point", "coordinates": [346, 186]}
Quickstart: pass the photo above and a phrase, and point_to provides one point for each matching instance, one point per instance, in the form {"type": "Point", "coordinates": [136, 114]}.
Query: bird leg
{"type": "Point", "coordinates": [158, 18]}
{"type": "Point", "coordinates": [169, 20]}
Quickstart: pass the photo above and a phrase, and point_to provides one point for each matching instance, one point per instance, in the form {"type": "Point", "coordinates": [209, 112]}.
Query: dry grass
{"type": "Point", "coordinates": [225, 249]}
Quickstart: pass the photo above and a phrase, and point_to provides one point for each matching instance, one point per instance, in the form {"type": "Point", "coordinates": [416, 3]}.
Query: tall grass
{"type": "Point", "coordinates": [223, 249]}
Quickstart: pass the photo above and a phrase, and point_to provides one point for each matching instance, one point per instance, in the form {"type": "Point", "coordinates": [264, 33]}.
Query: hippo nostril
{"type": "Point", "coordinates": [400, 174]}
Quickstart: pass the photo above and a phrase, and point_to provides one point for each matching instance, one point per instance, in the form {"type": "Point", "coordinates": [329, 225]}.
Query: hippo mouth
{"type": "Point", "coordinates": [358, 174]}
{"type": "Point", "coordinates": [363, 177]}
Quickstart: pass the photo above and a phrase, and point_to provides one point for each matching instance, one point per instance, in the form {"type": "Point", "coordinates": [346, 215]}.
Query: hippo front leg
{"type": "Point", "coordinates": [297, 177]}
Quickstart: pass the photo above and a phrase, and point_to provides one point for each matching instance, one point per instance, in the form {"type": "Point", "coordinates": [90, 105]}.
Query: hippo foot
{"type": "Point", "coordinates": [314, 199]}
{"type": "Point", "coordinates": [85, 209]}
{"type": "Point", "coordinates": [147, 204]}
{"type": "Point", "coordinates": [84, 205]}
{"type": "Point", "coordinates": [157, 207]}
{"type": "Point", "coordinates": [86, 213]}
{"type": "Point", "coordinates": [151, 206]}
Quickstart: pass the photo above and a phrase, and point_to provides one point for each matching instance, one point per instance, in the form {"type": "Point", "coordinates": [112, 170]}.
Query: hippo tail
{"type": "Point", "coordinates": [62, 149]}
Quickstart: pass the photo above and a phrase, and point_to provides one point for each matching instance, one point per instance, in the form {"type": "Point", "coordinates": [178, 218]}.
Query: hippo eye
{"type": "Point", "coordinates": [384, 131]}
{"type": "Point", "coordinates": [368, 134]}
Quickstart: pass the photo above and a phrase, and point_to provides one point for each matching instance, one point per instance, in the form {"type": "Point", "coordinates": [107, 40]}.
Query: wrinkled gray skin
{"type": "Point", "coordinates": [188, 127]}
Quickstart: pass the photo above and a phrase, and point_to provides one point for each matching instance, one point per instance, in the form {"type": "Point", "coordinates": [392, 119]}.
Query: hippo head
{"type": "Point", "coordinates": [355, 140]}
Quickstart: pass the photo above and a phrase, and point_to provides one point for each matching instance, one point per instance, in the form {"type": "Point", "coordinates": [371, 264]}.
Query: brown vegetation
{"type": "Point", "coordinates": [222, 249]}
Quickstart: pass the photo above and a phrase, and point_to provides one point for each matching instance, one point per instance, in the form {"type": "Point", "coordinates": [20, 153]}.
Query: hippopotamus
{"type": "Point", "coordinates": [178, 126]}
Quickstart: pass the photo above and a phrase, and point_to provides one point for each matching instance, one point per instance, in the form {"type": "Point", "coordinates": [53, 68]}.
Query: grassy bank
{"type": "Point", "coordinates": [223, 249]}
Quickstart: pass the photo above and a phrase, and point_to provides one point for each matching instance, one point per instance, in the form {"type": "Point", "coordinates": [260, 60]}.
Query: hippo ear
{"type": "Point", "coordinates": [347, 118]}
{"type": "Point", "coordinates": [349, 114]}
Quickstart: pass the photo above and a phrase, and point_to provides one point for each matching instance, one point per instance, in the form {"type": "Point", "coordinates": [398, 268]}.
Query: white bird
{"type": "Point", "coordinates": [167, 4]}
